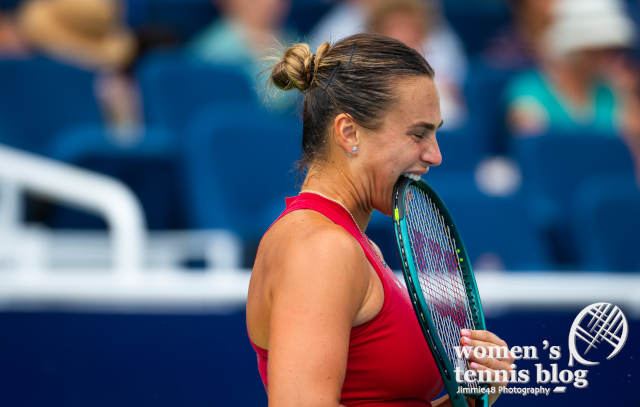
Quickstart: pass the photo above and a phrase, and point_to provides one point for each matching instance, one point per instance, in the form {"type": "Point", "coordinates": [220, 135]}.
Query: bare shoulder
{"type": "Point", "coordinates": [308, 245]}
{"type": "Point", "coordinates": [305, 256]}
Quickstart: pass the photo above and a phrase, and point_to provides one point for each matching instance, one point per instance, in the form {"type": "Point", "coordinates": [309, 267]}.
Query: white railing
{"type": "Point", "coordinates": [145, 272]}
{"type": "Point", "coordinates": [79, 188]}
{"type": "Point", "coordinates": [174, 290]}
{"type": "Point", "coordinates": [166, 249]}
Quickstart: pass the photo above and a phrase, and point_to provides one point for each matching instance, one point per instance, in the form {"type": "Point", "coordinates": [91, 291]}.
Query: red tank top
{"type": "Point", "coordinates": [389, 362]}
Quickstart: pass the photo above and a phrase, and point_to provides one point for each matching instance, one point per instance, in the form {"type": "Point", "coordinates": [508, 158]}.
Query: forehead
{"type": "Point", "coordinates": [417, 99]}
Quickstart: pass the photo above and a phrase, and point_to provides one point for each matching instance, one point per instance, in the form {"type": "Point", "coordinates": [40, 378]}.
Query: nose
{"type": "Point", "coordinates": [431, 154]}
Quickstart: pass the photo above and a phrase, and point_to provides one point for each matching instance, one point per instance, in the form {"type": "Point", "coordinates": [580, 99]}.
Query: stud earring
{"type": "Point", "coordinates": [354, 148]}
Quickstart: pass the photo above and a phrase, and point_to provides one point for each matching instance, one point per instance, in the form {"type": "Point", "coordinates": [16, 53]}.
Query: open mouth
{"type": "Point", "coordinates": [412, 176]}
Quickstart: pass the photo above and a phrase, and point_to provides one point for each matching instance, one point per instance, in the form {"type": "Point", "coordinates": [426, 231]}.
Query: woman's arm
{"type": "Point", "coordinates": [321, 284]}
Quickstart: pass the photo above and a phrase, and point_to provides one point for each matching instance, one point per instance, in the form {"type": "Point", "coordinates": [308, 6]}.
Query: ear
{"type": "Point", "coordinates": [344, 129]}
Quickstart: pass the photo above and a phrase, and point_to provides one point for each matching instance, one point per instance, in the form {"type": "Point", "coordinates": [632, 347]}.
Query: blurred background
{"type": "Point", "coordinates": [142, 156]}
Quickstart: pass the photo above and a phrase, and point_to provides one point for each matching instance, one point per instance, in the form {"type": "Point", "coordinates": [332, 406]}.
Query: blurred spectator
{"type": "Point", "coordinates": [405, 20]}
{"type": "Point", "coordinates": [519, 45]}
{"type": "Point", "coordinates": [585, 80]}
{"type": "Point", "coordinates": [246, 33]}
{"type": "Point", "coordinates": [412, 22]}
{"type": "Point", "coordinates": [439, 43]}
{"type": "Point", "coordinates": [12, 44]}
{"type": "Point", "coordinates": [346, 18]}
{"type": "Point", "coordinates": [88, 34]}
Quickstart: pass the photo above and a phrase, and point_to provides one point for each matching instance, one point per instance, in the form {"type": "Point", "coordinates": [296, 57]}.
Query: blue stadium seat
{"type": "Point", "coordinates": [607, 223]}
{"type": "Point", "coordinates": [39, 98]}
{"type": "Point", "coordinates": [185, 17]}
{"type": "Point", "coordinates": [239, 165]}
{"type": "Point", "coordinates": [8, 5]}
{"type": "Point", "coordinates": [174, 87]}
{"type": "Point", "coordinates": [461, 150]}
{"type": "Point", "coordinates": [147, 163]}
{"type": "Point", "coordinates": [554, 166]}
{"type": "Point", "coordinates": [484, 93]}
{"type": "Point", "coordinates": [633, 9]}
{"type": "Point", "coordinates": [475, 21]}
{"type": "Point", "coordinates": [305, 14]}
{"type": "Point", "coordinates": [496, 231]}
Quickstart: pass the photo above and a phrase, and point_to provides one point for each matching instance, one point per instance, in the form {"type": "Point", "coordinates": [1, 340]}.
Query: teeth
{"type": "Point", "coordinates": [414, 177]}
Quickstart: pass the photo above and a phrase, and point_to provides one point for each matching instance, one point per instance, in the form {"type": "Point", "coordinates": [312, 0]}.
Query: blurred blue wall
{"type": "Point", "coordinates": [92, 359]}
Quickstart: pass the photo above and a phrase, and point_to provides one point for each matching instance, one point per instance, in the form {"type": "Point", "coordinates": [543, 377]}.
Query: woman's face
{"type": "Point", "coordinates": [592, 63]}
{"type": "Point", "coordinates": [405, 143]}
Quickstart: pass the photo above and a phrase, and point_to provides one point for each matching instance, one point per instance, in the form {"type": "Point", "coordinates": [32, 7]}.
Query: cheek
{"type": "Point", "coordinates": [388, 171]}
{"type": "Point", "coordinates": [394, 154]}
{"type": "Point", "coordinates": [392, 165]}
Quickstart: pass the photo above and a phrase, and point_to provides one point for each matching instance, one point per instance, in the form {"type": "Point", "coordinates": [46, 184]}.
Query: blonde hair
{"type": "Point", "coordinates": [298, 67]}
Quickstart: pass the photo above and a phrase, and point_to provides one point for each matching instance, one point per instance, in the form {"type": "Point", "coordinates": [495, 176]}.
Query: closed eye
{"type": "Point", "coordinates": [422, 129]}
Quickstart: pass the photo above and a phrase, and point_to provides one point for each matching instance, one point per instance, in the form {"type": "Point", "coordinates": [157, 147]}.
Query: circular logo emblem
{"type": "Point", "coordinates": [598, 329]}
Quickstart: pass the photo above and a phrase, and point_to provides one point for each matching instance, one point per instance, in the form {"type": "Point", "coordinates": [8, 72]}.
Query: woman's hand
{"type": "Point", "coordinates": [494, 346]}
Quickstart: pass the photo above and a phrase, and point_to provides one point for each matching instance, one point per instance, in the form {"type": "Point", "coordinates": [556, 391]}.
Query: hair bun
{"type": "Point", "coordinates": [297, 67]}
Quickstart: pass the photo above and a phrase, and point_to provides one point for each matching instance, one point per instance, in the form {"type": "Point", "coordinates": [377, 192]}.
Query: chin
{"type": "Point", "coordinates": [385, 211]}
{"type": "Point", "coordinates": [383, 199]}
{"type": "Point", "coordinates": [385, 206]}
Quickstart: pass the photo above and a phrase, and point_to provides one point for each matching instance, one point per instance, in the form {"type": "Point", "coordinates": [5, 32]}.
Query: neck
{"type": "Point", "coordinates": [573, 84]}
{"type": "Point", "coordinates": [337, 185]}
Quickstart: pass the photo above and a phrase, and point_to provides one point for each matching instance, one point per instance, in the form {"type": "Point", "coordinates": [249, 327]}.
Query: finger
{"type": "Point", "coordinates": [492, 363]}
{"type": "Point", "coordinates": [485, 336]}
{"type": "Point", "coordinates": [493, 374]}
{"type": "Point", "coordinates": [482, 352]}
{"type": "Point", "coordinates": [490, 349]}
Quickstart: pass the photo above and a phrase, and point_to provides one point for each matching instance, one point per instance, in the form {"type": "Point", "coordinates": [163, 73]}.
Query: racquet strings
{"type": "Point", "coordinates": [439, 273]}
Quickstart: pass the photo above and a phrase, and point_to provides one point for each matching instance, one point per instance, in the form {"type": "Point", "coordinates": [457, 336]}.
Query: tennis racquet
{"type": "Point", "coordinates": [439, 279]}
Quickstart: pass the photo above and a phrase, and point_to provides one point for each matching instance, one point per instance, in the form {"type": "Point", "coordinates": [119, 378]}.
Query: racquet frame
{"type": "Point", "coordinates": [415, 292]}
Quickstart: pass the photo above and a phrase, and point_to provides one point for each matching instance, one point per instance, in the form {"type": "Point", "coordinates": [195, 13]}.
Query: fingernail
{"type": "Point", "coordinates": [465, 332]}
{"type": "Point", "coordinates": [473, 365]}
{"type": "Point", "coordinates": [466, 340]}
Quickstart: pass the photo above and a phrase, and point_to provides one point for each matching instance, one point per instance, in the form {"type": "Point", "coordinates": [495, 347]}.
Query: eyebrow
{"type": "Point", "coordinates": [426, 125]}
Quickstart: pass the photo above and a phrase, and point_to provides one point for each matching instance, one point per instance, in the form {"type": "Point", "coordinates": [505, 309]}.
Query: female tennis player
{"type": "Point", "coordinates": [330, 322]}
